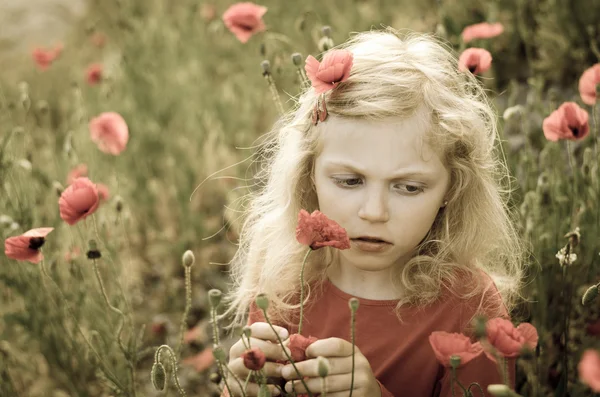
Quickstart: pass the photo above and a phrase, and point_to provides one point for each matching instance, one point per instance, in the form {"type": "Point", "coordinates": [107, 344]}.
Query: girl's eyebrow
{"type": "Point", "coordinates": [398, 174]}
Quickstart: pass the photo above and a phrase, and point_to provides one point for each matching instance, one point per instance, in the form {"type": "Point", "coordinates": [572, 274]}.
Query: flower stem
{"type": "Point", "coordinates": [286, 353]}
{"type": "Point", "coordinates": [188, 305]}
{"type": "Point", "coordinates": [213, 316]}
{"type": "Point", "coordinates": [478, 386]}
{"type": "Point", "coordinates": [323, 386]}
{"type": "Point", "coordinates": [505, 371]}
{"type": "Point", "coordinates": [302, 291]}
{"type": "Point", "coordinates": [466, 393]}
{"type": "Point", "coordinates": [352, 323]}
{"type": "Point", "coordinates": [275, 94]}
{"type": "Point", "coordinates": [111, 307]}
{"type": "Point", "coordinates": [173, 361]}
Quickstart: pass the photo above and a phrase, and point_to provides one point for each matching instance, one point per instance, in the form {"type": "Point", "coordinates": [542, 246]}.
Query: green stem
{"type": "Point", "coordinates": [323, 387]}
{"type": "Point", "coordinates": [302, 291]}
{"type": "Point", "coordinates": [466, 393]}
{"type": "Point", "coordinates": [221, 365]}
{"type": "Point", "coordinates": [188, 305]}
{"type": "Point", "coordinates": [275, 94]}
{"type": "Point", "coordinates": [480, 389]}
{"type": "Point", "coordinates": [505, 371]}
{"type": "Point", "coordinates": [286, 353]}
{"type": "Point", "coordinates": [213, 316]}
{"type": "Point", "coordinates": [111, 307]}
{"type": "Point", "coordinates": [352, 323]}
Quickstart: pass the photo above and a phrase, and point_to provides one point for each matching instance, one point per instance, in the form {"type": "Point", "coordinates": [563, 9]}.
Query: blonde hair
{"type": "Point", "coordinates": [392, 75]}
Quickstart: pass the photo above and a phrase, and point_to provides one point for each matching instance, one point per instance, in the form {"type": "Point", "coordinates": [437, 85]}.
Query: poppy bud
{"type": "Point", "coordinates": [247, 331]}
{"type": "Point", "coordinates": [158, 376]}
{"type": "Point", "coordinates": [215, 377]}
{"type": "Point", "coordinates": [325, 44]}
{"type": "Point", "coordinates": [58, 188]}
{"type": "Point", "coordinates": [480, 323]}
{"type": "Point", "coordinates": [353, 304]}
{"type": "Point", "coordinates": [322, 366]}
{"type": "Point", "coordinates": [454, 361]}
{"type": "Point", "coordinates": [93, 252]}
{"type": "Point", "coordinates": [297, 58]}
{"type": "Point", "coordinates": [326, 31]}
{"type": "Point", "coordinates": [214, 297]}
{"type": "Point", "coordinates": [266, 67]}
{"type": "Point", "coordinates": [219, 354]}
{"type": "Point", "coordinates": [188, 258]}
{"type": "Point", "coordinates": [589, 295]}
{"type": "Point", "coordinates": [262, 301]}
{"type": "Point", "coordinates": [118, 203]}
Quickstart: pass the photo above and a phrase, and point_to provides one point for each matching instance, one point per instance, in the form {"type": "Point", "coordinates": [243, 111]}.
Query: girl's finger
{"type": "Point", "coordinates": [265, 332]}
{"type": "Point", "coordinates": [271, 369]}
{"type": "Point", "coordinates": [337, 365]}
{"type": "Point", "coordinates": [334, 383]}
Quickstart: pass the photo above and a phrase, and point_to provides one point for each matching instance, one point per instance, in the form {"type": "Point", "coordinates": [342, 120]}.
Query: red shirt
{"type": "Point", "coordinates": [400, 354]}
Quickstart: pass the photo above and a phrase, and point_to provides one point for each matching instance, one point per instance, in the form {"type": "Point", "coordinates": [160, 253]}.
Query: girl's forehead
{"type": "Point", "coordinates": [386, 138]}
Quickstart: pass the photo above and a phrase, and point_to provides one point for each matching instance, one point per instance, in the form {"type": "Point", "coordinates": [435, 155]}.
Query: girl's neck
{"type": "Point", "coordinates": [366, 285]}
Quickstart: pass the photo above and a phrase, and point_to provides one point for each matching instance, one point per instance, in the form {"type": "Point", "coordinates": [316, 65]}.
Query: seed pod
{"type": "Point", "coordinates": [297, 58]}
{"type": "Point", "coordinates": [262, 301]}
{"type": "Point", "coordinates": [214, 297]}
{"type": "Point", "coordinates": [266, 67]}
{"type": "Point", "coordinates": [454, 361]}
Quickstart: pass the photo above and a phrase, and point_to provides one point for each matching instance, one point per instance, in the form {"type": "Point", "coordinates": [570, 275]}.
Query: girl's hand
{"type": "Point", "coordinates": [265, 339]}
{"type": "Point", "coordinates": [339, 354]}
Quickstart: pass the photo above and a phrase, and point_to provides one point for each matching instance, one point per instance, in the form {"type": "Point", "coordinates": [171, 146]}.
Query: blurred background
{"type": "Point", "coordinates": [195, 101]}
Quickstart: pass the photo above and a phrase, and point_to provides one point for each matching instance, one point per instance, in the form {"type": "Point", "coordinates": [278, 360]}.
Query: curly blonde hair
{"type": "Point", "coordinates": [394, 74]}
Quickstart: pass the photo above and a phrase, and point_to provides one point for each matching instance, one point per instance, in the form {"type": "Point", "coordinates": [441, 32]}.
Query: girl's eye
{"type": "Point", "coordinates": [346, 182]}
{"type": "Point", "coordinates": [412, 189]}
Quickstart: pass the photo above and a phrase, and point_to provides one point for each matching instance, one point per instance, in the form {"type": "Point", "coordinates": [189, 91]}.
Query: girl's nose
{"type": "Point", "coordinates": [375, 207]}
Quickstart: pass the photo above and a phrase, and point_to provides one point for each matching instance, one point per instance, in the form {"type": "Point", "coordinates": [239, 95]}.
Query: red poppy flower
{"type": "Point", "coordinates": [94, 74]}
{"type": "Point", "coordinates": [45, 57]}
{"type": "Point", "coordinates": [334, 69]}
{"type": "Point", "coordinates": [317, 231]}
{"type": "Point", "coordinates": [508, 339]}
{"type": "Point", "coordinates": [587, 84]}
{"type": "Point", "coordinates": [482, 30]}
{"type": "Point", "coordinates": [26, 247]}
{"type": "Point", "coordinates": [244, 20]}
{"type": "Point", "coordinates": [78, 201]}
{"type": "Point", "coordinates": [254, 359]}
{"type": "Point", "coordinates": [589, 369]}
{"type": "Point", "coordinates": [446, 345]}
{"type": "Point", "coordinates": [475, 60]}
{"type": "Point", "coordinates": [110, 132]}
{"type": "Point", "coordinates": [79, 171]}
{"type": "Point", "coordinates": [298, 345]}
{"type": "Point", "coordinates": [569, 121]}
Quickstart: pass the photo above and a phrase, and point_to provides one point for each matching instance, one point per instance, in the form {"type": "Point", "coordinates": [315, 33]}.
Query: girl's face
{"type": "Point", "coordinates": [379, 178]}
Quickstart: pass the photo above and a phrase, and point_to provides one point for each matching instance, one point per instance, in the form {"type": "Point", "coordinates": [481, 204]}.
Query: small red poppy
{"type": "Point", "coordinates": [318, 231]}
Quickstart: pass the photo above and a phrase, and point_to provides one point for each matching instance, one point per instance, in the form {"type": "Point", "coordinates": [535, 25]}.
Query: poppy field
{"type": "Point", "coordinates": [126, 152]}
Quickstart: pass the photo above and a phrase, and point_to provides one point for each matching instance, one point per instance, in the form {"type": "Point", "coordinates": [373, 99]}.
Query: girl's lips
{"type": "Point", "coordinates": [370, 246]}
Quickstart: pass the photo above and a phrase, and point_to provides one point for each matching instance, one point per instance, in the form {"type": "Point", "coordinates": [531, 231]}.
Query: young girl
{"type": "Point", "coordinates": [400, 148]}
